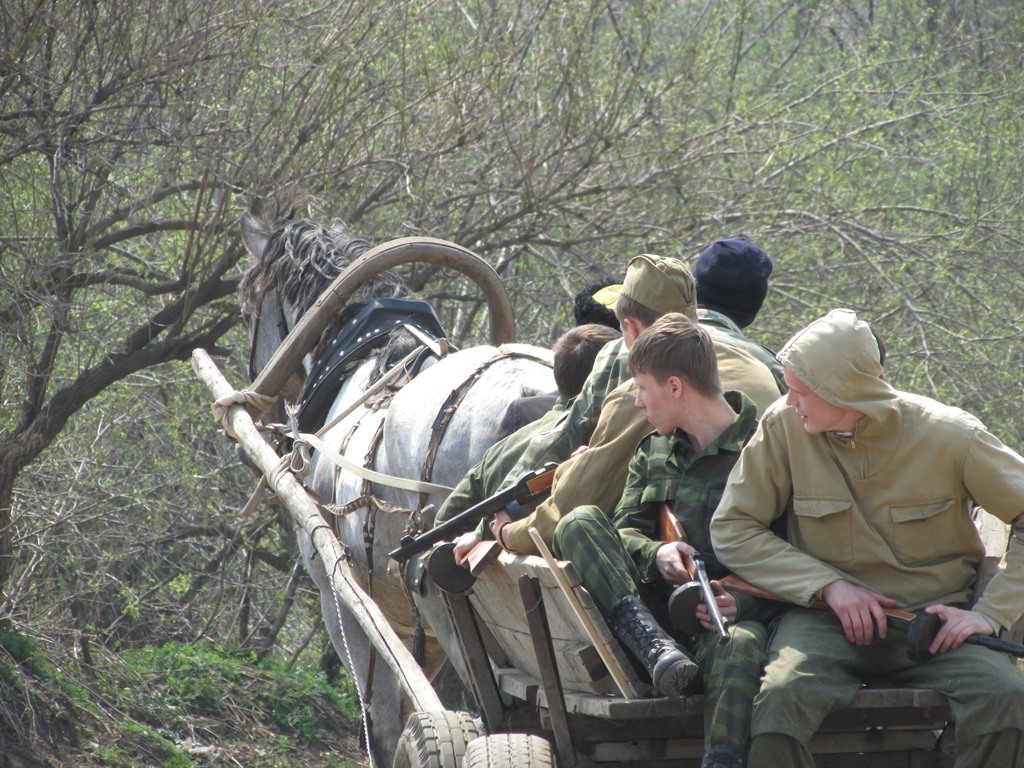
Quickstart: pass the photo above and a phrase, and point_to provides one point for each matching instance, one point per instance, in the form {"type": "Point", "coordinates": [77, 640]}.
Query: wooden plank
{"type": "Point", "coordinates": [915, 759]}
{"type": "Point", "coordinates": [527, 688]}
{"type": "Point", "coordinates": [588, 618]}
{"type": "Point", "coordinates": [538, 568]}
{"type": "Point", "coordinates": [867, 698]}
{"type": "Point", "coordinates": [516, 684]}
{"type": "Point", "coordinates": [637, 750]}
{"type": "Point", "coordinates": [530, 591]}
{"type": "Point", "coordinates": [615, 708]}
{"type": "Point", "coordinates": [871, 742]}
{"type": "Point", "coordinates": [891, 708]}
{"type": "Point", "coordinates": [485, 689]}
{"type": "Point", "coordinates": [507, 623]}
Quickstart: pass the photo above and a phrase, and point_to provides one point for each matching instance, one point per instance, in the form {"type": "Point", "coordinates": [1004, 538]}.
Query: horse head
{"type": "Point", "coordinates": [295, 260]}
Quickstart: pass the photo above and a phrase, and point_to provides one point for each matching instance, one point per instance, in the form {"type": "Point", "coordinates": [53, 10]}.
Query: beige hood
{"type": "Point", "coordinates": [837, 356]}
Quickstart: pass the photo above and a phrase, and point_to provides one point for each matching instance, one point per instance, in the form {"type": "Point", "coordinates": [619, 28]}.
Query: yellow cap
{"type": "Point", "coordinates": [608, 295]}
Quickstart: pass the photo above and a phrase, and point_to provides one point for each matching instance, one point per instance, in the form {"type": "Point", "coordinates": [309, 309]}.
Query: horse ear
{"type": "Point", "coordinates": [254, 236]}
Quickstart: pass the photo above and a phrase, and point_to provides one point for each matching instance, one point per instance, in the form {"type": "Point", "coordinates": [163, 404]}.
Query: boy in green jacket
{"type": "Point", "coordinates": [699, 432]}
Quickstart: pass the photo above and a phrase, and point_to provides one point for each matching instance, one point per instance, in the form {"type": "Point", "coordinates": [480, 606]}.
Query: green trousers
{"type": "Point", "coordinates": [812, 669]}
{"type": "Point", "coordinates": [732, 671]}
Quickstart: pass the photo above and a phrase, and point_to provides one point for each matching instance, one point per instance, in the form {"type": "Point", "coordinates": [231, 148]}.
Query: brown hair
{"type": "Point", "coordinates": [674, 345]}
{"type": "Point", "coordinates": [632, 309]}
{"type": "Point", "coordinates": [574, 354]}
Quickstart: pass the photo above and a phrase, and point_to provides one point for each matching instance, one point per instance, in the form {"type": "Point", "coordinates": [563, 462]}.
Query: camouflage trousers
{"type": "Point", "coordinates": [732, 671]}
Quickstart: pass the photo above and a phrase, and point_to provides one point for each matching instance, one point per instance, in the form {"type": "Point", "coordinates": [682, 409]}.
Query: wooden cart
{"type": "Point", "coordinates": [550, 683]}
{"type": "Point", "coordinates": [538, 668]}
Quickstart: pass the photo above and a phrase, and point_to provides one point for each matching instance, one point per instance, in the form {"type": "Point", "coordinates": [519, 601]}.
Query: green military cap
{"type": "Point", "coordinates": [660, 284]}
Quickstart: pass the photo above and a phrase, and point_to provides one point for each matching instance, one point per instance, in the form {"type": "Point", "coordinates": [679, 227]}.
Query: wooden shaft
{"type": "Point", "coordinates": [385, 256]}
{"type": "Point", "coordinates": [306, 514]}
{"type": "Point", "coordinates": [588, 626]}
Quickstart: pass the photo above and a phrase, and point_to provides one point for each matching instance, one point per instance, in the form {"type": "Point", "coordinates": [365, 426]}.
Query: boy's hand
{"type": "Point", "coordinates": [957, 626]}
{"type": "Point", "coordinates": [726, 606]}
{"type": "Point", "coordinates": [859, 608]}
{"type": "Point", "coordinates": [670, 562]}
{"type": "Point", "coordinates": [463, 544]}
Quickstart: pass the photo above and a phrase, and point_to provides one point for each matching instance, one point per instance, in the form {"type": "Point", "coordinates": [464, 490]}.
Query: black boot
{"type": "Point", "coordinates": [673, 671]}
{"type": "Point", "coordinates": [722, 757]}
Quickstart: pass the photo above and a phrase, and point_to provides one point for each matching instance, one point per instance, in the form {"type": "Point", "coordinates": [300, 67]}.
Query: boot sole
{"type": "Point", "coordinates": [680, 680]}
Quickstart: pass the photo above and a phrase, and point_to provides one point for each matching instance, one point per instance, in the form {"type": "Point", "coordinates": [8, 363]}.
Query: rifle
{"type": "Point", "coordinates": [670, 530]}
{"type": "Point", "coordinates": [921, 628]}
{"type": "Point", "coordinates": [530, 487]}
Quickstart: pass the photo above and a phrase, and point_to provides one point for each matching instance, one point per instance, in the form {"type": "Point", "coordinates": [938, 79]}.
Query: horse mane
{"type": "Point", "coordinates": [301, 259]}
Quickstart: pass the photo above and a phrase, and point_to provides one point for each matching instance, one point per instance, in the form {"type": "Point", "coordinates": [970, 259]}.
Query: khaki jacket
{"type": "Point", "coordinates": [889, 507]}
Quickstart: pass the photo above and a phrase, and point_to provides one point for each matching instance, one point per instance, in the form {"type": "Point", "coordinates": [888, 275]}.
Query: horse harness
{"type": "Point", "coordinates": [357, 340]}
{"type": "Point", "coordinates": [366, 332]}
{"type": "Point", "coordinates": [254, 329]}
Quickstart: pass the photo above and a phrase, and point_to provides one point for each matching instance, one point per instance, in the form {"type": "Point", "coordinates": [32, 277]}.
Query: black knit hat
{"type": "Point", "coordinates": [732, 278]}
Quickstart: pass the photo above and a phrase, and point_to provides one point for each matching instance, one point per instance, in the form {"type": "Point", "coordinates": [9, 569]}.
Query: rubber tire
{"type": "Point", "coordinates": [509, 750]}
{"type": "Point", "coordinates": [435, 740]}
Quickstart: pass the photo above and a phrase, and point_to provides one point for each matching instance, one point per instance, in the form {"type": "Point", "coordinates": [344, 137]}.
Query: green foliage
{"type": "Point", "coordinates": [19, 655]}
{"type": "Point", "coordinates": [304, 702]}
{"type": "Point", "coordinates": [203, 678]}
{"type": "Point", "coordinates": [191, 678]}
{"type": "Point", "coordinates": [109, 755]}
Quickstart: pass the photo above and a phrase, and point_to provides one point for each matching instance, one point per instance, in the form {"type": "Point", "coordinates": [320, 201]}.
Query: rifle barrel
{"type": "Point", "coordinates": [710, 599]}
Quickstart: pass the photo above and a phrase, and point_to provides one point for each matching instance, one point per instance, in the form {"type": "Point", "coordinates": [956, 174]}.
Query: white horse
{"type": "Point", "coordinates": [431, 430]}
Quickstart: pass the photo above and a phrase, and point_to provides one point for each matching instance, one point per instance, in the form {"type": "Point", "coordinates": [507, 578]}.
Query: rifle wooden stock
{"type": "Point", "coordinates": [669, 528]}
{"type": "Point", "coordinates": [532, 486]}
{"type": "Point", "coordinates": [741, 586]}
{"type": "Point", "coordinates": [481, 555]}
{"type": "Point", "coordinates": [895, 618]}
{"type": "Point", "coordinates": [667, 521]}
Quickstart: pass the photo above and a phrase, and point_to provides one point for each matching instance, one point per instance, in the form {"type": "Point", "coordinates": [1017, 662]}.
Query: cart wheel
{"type": "Point", "coordinates": [509, 750]}
{"type": "Point", "coordinates": [435, 740]}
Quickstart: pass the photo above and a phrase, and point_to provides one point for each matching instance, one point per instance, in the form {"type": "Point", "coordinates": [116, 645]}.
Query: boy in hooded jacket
{"type": "Point", "coordinates": [877, 487]}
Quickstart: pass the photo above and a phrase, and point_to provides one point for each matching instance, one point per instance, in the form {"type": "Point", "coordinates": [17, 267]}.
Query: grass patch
{"type": "Point", "coordinates": [175, 706]}
{"type": "Point", "coordinates": [206, 679]}
{"type": "Point", "coordinates": [19, 656]}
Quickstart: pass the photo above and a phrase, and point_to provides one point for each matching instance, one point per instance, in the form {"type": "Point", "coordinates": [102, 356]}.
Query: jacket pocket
{"type": "Point", "coordinates": [824, 528]}
{"type": "Point", "coordinates": [924, 533]}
